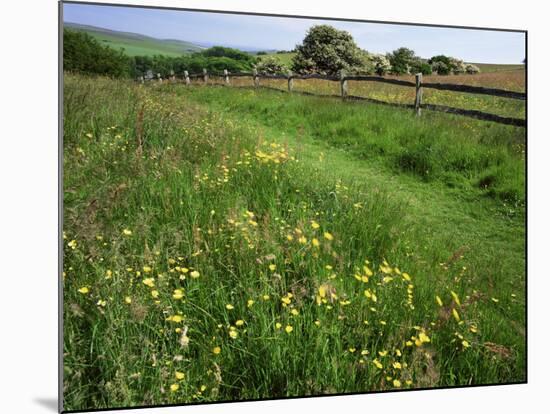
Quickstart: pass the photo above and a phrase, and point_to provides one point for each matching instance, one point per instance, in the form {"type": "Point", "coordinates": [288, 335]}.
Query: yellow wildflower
{"type": "Point", "coordinates": [72, 244]}
{"type": "Point", "coordinates": [178, 294]}
{"type": "Point", "coordinates": [438, 300]}
{"type": "Point", "coordinates": [84, 290]}
{"type": "Point", "coordinates": [147, 269]}
{"type": "Point", "coordinates": [229, 306]}
{"type": "Point", "coordinates": [314, 224]}
{"type": "Point", "coordinates": [175, 318]}
{"type": "Point", "coordinates": [155, 294]}
{"type": "Point", "coordinates": [240, 322]}
{"type": "Point", "coordinates": [289, 329]}
{"type": "Point", "coordinates": [272, 267]}
{"type": "Point", "coordinates": [423, 337]}
{"type": "Point", "coordinates": [328, 236]}
{"type": "Point", "coordinates": [128, 299]}
{"type": "Point", "coordinates": [149, 282]}
{"type": "Point", "coordinates": [180, 375]}
{"type": "Point", "coordinates": [216, 350]}
{"type": "Point", "coordinates": [377, 363]}
{"type": "Point", "coordinates": [396, 383]}
{"type": "Point", "coordinates": [174, 387]}
{"type": "Point", "coordinates": [127, 232]}
{"type": "Point", "coordinates": [315, 242]}
{"type": "Point", "coordinates": [455, 297]}
{"type": "Point", "coordinates": [194, 274]}
{"type": "Point", "coordinates": [456, 315]}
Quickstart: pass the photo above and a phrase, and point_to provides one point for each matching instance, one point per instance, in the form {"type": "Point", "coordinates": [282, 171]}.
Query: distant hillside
{"type": "Point", "coordinates": [135, 44]}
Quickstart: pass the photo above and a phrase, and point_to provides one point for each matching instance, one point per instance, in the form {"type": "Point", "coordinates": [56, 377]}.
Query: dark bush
{"type": "Point", "coordinates": [84, 54]}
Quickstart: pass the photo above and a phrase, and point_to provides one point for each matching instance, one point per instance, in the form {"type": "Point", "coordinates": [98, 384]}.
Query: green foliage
{"type": "Point", "coordinates": [381, 64]}
{"type": "Point", "coordinates": [419, 66]}
{"type": "Point", "coordinates": [441, 68]}
{"type": "Point", "coordinates": [84, 54]}
{"type": "Point", "coordinates": [440, 58]}
{"type": "Point", "coordinates": [213, 61]}
{"type": "Point", "coordinates": [270, 65]}
{"type": "Point", "coordinates": [445, 65]}
{"type": "Point", "coordinates": [401, 60]}
{"type": "Point", "coordinates": [326, 50]}
{"type": "Point", "coordinates": [235, 54]}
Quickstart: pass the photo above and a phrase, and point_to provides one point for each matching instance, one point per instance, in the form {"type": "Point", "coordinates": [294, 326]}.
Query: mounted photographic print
{"type": "Point", "coordinates": [266, 206]}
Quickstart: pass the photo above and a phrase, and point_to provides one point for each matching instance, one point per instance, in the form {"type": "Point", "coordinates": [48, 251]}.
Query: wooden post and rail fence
{"type": "Point", "coordinates": [343, 79]}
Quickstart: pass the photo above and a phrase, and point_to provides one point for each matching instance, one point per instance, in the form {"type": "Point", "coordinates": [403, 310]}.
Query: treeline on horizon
{"type": "Point", "coordinates": [84, 54]}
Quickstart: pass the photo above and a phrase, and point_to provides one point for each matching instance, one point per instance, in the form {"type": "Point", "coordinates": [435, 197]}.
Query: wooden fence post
{"type": "Point", "coordinates": [226, 76]}
{"type": "Point", "coordinates": [172, 77]}
{"type": "Point", "coordinates": [186, 76]}
{"type": "Point", "coordinates": [159, 77]}
{"type": "Point", "coordinates": [141, 79]}
{"type": "Point", "coordinates": [205, 76]}
{"type": "Point", "coordinates": [418, 99]}
{"type": "Point", "coordinates": [255, 78]}
{"type": "Point", "coordinates": [343, 84]}
{"type": "Point", "coordinates": [290, 82]}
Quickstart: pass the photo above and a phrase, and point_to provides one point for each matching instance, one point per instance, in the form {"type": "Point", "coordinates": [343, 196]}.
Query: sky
{"type": "Point", "coordinates": [283, 33]}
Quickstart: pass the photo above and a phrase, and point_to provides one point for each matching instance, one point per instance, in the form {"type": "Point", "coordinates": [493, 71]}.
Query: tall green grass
{"type": "Point", "coordinates": [454, 150]}
{"type": "Point", "coordinates": [190, 230]}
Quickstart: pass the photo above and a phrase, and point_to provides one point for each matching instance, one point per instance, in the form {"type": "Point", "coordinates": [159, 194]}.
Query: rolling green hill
{"type": "Point", "coordinates": [136, 44]}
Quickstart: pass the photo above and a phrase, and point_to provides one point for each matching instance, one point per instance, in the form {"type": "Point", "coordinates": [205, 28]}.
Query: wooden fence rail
{"type": "Point", "coordinates": [343, 79]}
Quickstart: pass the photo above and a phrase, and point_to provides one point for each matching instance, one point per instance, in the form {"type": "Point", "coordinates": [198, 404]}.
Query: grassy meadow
{"type": "Point", "coordinates": [137, 45]}
{"type": "Point", "coordinates": [513, 80]}
{"type": "Point", "coordinates": [231, 244]}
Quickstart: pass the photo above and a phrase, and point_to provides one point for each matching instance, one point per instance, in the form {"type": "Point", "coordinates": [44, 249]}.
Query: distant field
{"type": "Point", "coordinates": [137, 45]}
{"type": "Point", "coordinates": [491, 67]}
{"type": "Point", "coordinates": [285, 58]}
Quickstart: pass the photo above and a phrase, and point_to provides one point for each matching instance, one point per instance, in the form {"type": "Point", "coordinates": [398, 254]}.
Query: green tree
{"type": "Point", "coordinates": [326, 50]}
{"type": "Point", "coordinates": [401, 60]}
{"type": "Point", "coordinates": [441, 64]}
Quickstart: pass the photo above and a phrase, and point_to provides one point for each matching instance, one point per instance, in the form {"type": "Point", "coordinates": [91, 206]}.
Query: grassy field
{"type": "Point", "coordinates": [510, 80]}
{"type": "Point", "coordinates": [230, 244]}
{"type": "Point", "coordinates": [137, 45]}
